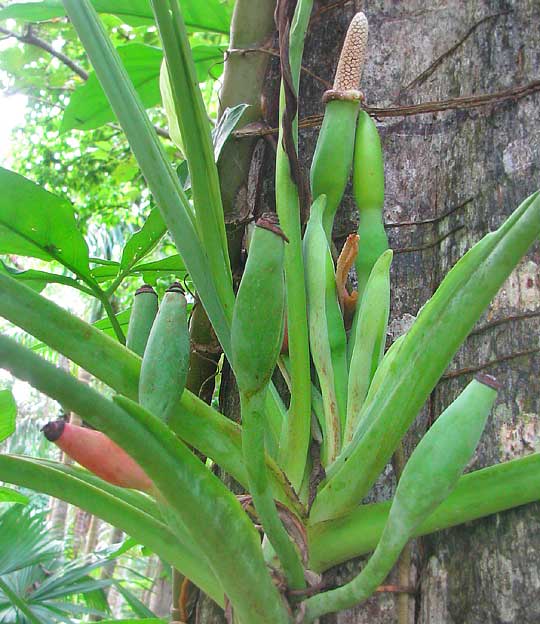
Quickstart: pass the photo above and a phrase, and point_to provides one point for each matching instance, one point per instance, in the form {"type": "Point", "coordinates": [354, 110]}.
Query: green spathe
{"type": "Point", "coordinates": [258, 316]}
{"type": "Point", "coordinates": [165, 363]}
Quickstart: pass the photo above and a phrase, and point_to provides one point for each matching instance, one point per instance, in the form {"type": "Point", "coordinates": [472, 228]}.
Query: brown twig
{"type": "Point", "coordinates": [506, 319]}
{"type": "Point", "coordinates": [431, 244]}
{"type": "Point", "coordinates": [275, 53]}
{"type": "Point", "coordinates": [459, 103]}
{"type": "Point", "coordinates": [31, 39]}
{"type": "Point", "coordinates": [439, 60]}
{"type": "Point", "coordinates": [473, 369]}
{"type": "Point", "coordinates": [395, 589]}
{"type": "Point", "coordinates": [433, 219]}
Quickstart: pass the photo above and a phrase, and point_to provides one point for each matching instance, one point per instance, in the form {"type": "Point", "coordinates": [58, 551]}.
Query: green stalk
{"type": "Point", "coordinates": [477, 494]}
{"type": "Point", "coordinates": [162, 180]}
{"type": "Point", "coordinates": [197, 141]}
{"type": "Point", "coordinates": [259, 487]}
{"type": "Point", "coordinates": [211, 514]}
{"type": "Point", "coordinates": [296, 434]}
{"type": "Point", "coordinates": [427, 349]}
{"type": "Point", "coordinates": [112, 505]}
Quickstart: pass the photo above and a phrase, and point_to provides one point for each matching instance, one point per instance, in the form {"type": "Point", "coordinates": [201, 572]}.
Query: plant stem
{"type": "Point", "coordinates": [253, 446]}
{"type": "Point", "coordinates": [477, 494]}
{"type": "Point", "coordinates": [105, 302]}
{"type": "Point", "coordinates": [296, 434]}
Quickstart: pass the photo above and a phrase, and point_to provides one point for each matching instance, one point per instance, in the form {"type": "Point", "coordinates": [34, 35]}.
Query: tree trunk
{"type": "Point", "coordinates": [480, 164]}
{"type": "Point", "coordinates": [455, 175]}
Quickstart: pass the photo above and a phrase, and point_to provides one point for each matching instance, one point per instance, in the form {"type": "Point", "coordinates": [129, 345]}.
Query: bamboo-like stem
{"type": "Point", "coordinates": [296, 435]}
{"type": "Point", "coordinates": [477, 494]}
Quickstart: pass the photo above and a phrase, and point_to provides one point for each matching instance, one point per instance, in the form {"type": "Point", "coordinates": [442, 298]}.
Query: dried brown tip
{"type": "Point", "coordinates": [353, 55]}
{"type": "Point", "coordinates": [145, 288]}
{"type": "Point", "coordinates": [176, 287]}
{"type": "Point", "coordinates": [53, 430]}
{"type": "Point", "coordinates": [270, 221]}
{"type": "Point", "coordinates": [488, 380]}
{"type": "Point", "coordinates": [344, 263]}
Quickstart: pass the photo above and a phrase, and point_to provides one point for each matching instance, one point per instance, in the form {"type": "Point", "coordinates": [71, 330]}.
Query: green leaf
{"type": "Point", "coordinates": [112, 504]}
{"type": "Point", "coordinates": [104, 273]}
{"type": "Point", "coordinates": [144, 621]}
{"type": "Point", "coordinates": [89, 108]}
{"type": "Point", "coordinates": [161, 178]}
{"type": "Point", "coordinates": [8, 412]}
{"type": "Point", "coordinates": [211, 15]}
{"type": "Point", "coordinates": [209, 61]}
{"type": "Point", "coordinates": [227, 123]}
{"type": "Point", "coordinates": [37, 280]}
{"type": "Point", "coordinates": [138, 607]}
{"type": "Point", "coordinates": [171, 264]}
{"type": "Point", "coordinates": [144, 240]}
{"type": "Point", "coordinates": [105, 323]}
{"type": "Point", "coordinates": [36, 223]}
{"type": "Point", "coordinates": [7, 495]}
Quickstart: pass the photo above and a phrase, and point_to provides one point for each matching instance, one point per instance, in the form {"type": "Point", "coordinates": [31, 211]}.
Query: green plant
{"type": "Point", "coordinates": [37, 586]}
{"type": "Point", "coordinates": [364, 406]}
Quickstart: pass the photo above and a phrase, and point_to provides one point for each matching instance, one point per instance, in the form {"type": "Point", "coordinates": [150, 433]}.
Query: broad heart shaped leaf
{"type": "Point", "coordinates": [8, 412]}
{"type": "Point", "coordinates": [144, 240]}
{"type": "Point", "coordinates": [89, 107]}
{"type": "Point", "coordinates": [211, 15]}
{"type": "Point", "coordinates": [7, 495]}
{"type": "Point", "coordinates": [36, 223]}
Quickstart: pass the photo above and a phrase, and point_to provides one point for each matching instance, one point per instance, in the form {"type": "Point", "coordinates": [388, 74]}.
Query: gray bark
{"type": "Point", "coordinates": [485, 161]}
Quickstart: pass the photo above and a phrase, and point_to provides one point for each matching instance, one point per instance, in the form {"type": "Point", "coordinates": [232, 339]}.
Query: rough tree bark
{"type": "Point", "coordinates": [455, 175]}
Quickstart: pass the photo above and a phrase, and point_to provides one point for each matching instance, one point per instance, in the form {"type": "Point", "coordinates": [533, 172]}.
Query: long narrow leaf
{"type": "Point", "coordinates": [427, 349]}
{"type": "Point", "coordinates": [209, 511]}
{"type": "Point", "coordinates": [197, 144]}
{"type": "Point", "coordinates": [296, 434]}
{"type": "Point", "coordinates": [194, 421]}
{"type": "Point", "coordinates": [477, 494]}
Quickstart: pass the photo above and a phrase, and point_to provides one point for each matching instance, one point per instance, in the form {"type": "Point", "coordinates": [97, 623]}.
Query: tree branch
{"type": "Point", "coordinates": [32, 39]}
{"type": "Point", "coordinates": [460, 103]}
